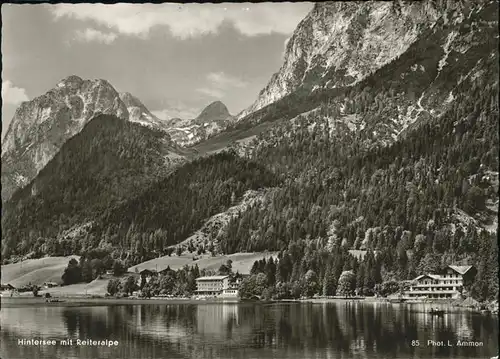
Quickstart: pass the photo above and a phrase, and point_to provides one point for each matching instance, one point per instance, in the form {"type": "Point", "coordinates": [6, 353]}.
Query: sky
{"type": "Point", "coordinates": [175, 58]}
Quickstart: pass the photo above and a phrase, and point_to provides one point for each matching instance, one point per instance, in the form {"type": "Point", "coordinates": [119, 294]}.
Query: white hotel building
{"type": "Point", "coordinates": [217, 285]}
{"type": "Point", "coordinates": [448, 284]}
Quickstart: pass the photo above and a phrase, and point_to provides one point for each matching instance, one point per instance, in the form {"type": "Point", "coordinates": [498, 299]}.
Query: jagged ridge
{"type": "Point", "coordinates": [340, 43]}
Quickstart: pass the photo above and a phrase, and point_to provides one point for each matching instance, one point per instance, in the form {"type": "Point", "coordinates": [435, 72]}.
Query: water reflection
{"type": "Point", "coordinates": [329, 330]}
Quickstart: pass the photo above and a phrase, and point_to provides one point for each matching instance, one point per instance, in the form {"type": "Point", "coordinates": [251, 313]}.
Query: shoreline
{"type": "Point", "coordinates": [81, 300]}
{"type": "Point", "coordinates": [12, 302]}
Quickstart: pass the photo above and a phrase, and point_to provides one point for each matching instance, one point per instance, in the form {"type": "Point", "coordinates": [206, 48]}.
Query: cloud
{"type": "Point", "coordinates": [189, 20]}
{"type": "Point", "coordinates": [221, 80]}
{"type": "Point", "coordinates": [13, 95]}
{"type": "Point", "coordinates": [220, 84]}
{"type": "Point", "coordinates": [212, 92]}
{"type": "Point", "coordinates": [176, 109]}
{"type": "Point", "coordinates": [95, 35]}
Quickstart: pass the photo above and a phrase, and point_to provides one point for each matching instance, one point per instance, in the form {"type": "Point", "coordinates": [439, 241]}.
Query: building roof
{"type": "Point", "coordinates": [213, 277]}
{"type": "Point", "coordinates": [460, 269]}
{"type": "Point", "coordinates": [470, 302]}
{"type": "Point", "coordinates": [432, 276]}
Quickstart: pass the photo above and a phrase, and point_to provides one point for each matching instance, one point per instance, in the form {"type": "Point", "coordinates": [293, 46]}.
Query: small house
{"type": "Point", "coordinates": [146, 275]}
{"type": "Point", "coordinates": [7, 287]}
{"type": "Point", "coordinates": [49, 285]}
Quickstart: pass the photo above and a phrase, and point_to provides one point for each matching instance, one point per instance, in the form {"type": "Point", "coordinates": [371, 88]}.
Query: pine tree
{"type": "Point", "coordinates": [329, 282]}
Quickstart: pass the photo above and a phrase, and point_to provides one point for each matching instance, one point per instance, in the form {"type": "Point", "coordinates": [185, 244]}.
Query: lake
{"type": "Point", "coordinates": [284, 330]}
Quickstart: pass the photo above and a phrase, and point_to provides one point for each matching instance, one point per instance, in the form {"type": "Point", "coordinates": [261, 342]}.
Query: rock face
{"type": "Point", "coordinates": [41, 126]}
{"type": "Point", "coordinates": [340, 43]}
{"type": "Point", "coordinates": [372, 70]}
{"type": "Point", "coordinates": [139, 113]}
{"type": "Point", "coordinates": [215, 112]}
{"type": "Point", "coordinates": [213, 119]}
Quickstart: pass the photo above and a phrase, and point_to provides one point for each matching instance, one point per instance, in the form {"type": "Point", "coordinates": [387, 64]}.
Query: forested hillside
{"type": "Point", "coordinates": [108, 161]}
{"type": "Point", "coordinates": [436, 170]}
{"type": "Point", "coordinates": [172, 209]}
{"type": "Point", "coordinates": [126, 203]}
{"type": "Point", "coordinates": [421, 203]}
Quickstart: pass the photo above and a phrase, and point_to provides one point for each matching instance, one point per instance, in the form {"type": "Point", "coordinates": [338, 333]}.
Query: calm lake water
{"type": "Point", "coordinates": [286, 330]}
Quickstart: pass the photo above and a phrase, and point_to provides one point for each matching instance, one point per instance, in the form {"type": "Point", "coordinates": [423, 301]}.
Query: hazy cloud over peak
{"type": "Point", "coordinates": [221, 80]}
{"type": "Point", "coordinates": [219, 83]}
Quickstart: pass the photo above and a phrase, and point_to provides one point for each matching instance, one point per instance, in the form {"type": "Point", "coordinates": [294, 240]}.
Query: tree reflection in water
{"type": "Point", "coordinates": [286, 330]}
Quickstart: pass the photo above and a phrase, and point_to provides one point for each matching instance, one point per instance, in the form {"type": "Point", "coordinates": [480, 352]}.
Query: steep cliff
{"type": "Point", "coordinates": [340, 43]}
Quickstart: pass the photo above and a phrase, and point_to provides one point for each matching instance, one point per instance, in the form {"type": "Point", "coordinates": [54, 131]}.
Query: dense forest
{"type": "Point", "coordinates": [418, 184]}
{"type": "Point", "coordinates": [136, 225]}
{"type": "Point", "coordinates": [169, 211]}
{"type": "Point", "coordinates": [306, 269]}
{"type": "Point", "coordinates": [420, 202]}
{"type": "Point", "coordinates": [108, 161]}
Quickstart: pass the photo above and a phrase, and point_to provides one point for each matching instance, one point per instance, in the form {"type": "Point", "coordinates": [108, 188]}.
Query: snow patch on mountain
{"type": "Point", "coordinates": [447, 49]}
{"type": "Point", "coordinates": [450, 97]}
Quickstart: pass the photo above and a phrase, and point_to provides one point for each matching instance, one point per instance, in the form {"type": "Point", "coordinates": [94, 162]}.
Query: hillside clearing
{"type": "Point", "coordinates": [35, 271]}
{"type": "Point", "coordinates": [225, 139]}
{"type": "Point", "coordinates": [241, 262]}
{"type": "Point", "coordinates": [96, 287]}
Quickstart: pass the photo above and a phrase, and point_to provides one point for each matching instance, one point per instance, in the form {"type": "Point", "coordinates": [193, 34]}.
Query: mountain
{"type": "Point", "coordinates": [215, 112]}
{"type": "Point", "coordinates": [347, 41]}
{"type": "Point", "coordinates": [402, 163]}
{"type": "Point", "coordinates": [417, 84]}
{"type": "Point", "coordinates": [139, 113]}
{"type": "Point", "coordinates": [41, 126]}
{"type": "Point", "coordinates": [403, 122]}
{"type": "Point", "coordinates": [212, 120]}
{"type": "Point", "coordinates": [340, 43]}
{"type": "Point", "coordinates": [107, 162]}
{"type": "Point", "coordinates": [111, 187]}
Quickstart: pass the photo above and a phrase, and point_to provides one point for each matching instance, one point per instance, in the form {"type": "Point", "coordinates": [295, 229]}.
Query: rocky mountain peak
{"type": "Point", "coordinates": [340, 43]}
{"type": "Point", "coordinates": [130, 100]}
{"type": "Point", "coordinates": [41, 126]}
{"type": "Point", "coordinates": [215, 111]}
{"type": "Point", "coordinates": [213, 119]}
{"type": "Point", "coordinates": [71, 81]}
